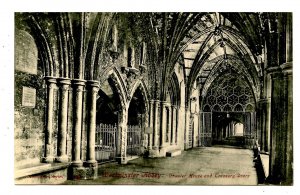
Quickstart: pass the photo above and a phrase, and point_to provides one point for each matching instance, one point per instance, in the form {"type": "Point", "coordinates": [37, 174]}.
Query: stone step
{"type": "Point", "coordinates": [175, 152]}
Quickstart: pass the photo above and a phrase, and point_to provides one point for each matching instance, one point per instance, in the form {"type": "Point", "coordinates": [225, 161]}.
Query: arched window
{"type": "Point", "coordinates": [206, 108]}
{"type": "Point", "coordinates": [249, 108]}
{"type": "Point", "coordinates": [238, 108]}
{"type": "Point", "coordinates": [227, 108]}
{"type": "Point", "coordinates": [217, 108]}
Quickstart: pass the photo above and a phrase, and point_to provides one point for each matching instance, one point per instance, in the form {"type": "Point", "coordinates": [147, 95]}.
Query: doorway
{"type": "Point", "coordinates": [107, 141]}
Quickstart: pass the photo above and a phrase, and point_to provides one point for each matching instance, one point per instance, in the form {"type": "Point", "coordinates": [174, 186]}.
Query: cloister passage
{"type": "Point", "coordinates": [228, 115]}
{"type": "Point", "coordinates": [100, 88]}
{"type": "Point", "coordinates": [198, 166]}
{"type": "Point", "coordinates": [227, 130]}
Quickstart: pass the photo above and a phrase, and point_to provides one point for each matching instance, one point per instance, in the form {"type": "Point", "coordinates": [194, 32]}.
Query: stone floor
{"type": "Point", "coordinates": [200, 166]}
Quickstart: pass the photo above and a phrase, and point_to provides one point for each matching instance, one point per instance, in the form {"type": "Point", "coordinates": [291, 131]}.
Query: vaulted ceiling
{"type": "Point", "coordinates": [222, 42]}
{"type": "Point", "coordinates": [206, 44]}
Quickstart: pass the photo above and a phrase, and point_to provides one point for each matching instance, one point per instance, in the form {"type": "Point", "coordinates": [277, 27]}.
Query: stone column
{"type": "Point", "coordinates": [174, 121]}
{"type": "Point", "coordinates": [156, 125]}
{"type": "Point", "coordinates": [262, 130]}
{"type": "Point", "coordinates": [64, 84]}
{"type": "Point", "coordinates": [170, 110]}
{"type": "Point", "coordinates": [288, 93]}
{"type": "Point", "coordinates": [259, 121]}
{"type": "Point", "coordinates": [163, 124]}
{"type": "Point", "coordinates": [253, 126]}
{"type": "Point", "coordinates": [78, 86]}
{"type": "Point", "coordinates": [92, 89]}
{"type": "Point", "coordinates": [48, 155]}
{"type": "Point", "coordinates": [276, 155]}
{"type": "Point", "coordinates": [281, 151]}
{"type": "Point", "coordinates": [177, 125]}
{"type": "Point", "coordinates": [268, 126]}
{"type": "Point", "coordinates": [186, 128]}
{"type": "Point", "coordinates": [151, 123]}
{"type": "Point", "coordinates": [226, 131]}
{"type": "Point", "coordinates": [123, 133]}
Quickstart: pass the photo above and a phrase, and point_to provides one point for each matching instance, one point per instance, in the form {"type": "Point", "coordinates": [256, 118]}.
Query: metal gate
{"type": "Point", "coordinates": [206, 129]}
{"type": "Point", "coordinates": [106, 142]}
{"type": "Point", "coordinates": [191, 132]}
{"type": "Point", "coordinates": [134, 140]}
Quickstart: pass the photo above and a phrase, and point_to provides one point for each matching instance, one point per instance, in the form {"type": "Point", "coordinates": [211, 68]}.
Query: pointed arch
{"type": "Point", "coordinates": [96, 40]}
{"type": "Point", "coordinates": [206, 108]}
{"type": "Point", "coordinates": [140, 84]}
{"type": "Point", "coordinates": [201, 58]}
{"type": "Point", "coordinates": [238, 68]}
{"type": "Point", "coordinates": [227, 108]}
{"type": "Point", "coordinates": [217, 108]}
{"type": "Point", "coordinates": [44, 48]}
{"type": "Point", "coordinates": [238, 108]}
{"type": "Point", "coordinates": [119, 84]}
{"type": "Point", "coordinates": [249, 108]}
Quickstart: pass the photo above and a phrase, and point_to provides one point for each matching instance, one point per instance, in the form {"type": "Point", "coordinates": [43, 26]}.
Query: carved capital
{"type": "Point", "coordinates": [93, 86]}
{"type": "Point", "coordinates": [287, 68]}
{"type": "Point", "coordinates": [151, 102]}
{"type": "Point", "coordinates": [64, 84]}
{"type": "Point", "coordinates": [164, 103]}
{"type": "Point", "coordinates": [64, 81]}
{"type": "Point", "coordinates": [50, 79]}
{"type": "Point", "coordinates": [93, 83]}
{"type": "Point", "coordinates": [78, 82]}
{"type": "Point", "coordinates": [78, 85]}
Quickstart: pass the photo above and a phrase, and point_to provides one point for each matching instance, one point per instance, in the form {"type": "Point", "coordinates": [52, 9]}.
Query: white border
{"type": "Point", "coordinates": [7, 86]}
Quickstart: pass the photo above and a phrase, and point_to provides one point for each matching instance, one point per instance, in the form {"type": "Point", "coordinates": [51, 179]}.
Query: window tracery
{"type": "Point", "coordinates": [229, 95]}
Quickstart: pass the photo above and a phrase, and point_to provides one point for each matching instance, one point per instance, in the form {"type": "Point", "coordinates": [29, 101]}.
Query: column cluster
{"type": "Point", "coordinates": [164, 123]}
{"type": "Point", "coordinates": [79, 87]}
{"type": "Point", "coordinates": [281, 152]}
{"type": "Point", "coordinates": [279, 70]}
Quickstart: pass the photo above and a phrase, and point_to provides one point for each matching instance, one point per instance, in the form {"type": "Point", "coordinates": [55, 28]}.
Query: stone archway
{"type": "Point", "coordinates": [229, 99]}
{"type": "Point", "coordinates": [108, 108]}
{"type": "Point", "coordinates": [225, 131]}
{"type": "Point", "coordinates": [136, 124]}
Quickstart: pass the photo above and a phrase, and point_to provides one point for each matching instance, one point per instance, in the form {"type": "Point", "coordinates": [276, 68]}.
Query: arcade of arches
{"type": "Point", "coordinates": [93, 88]}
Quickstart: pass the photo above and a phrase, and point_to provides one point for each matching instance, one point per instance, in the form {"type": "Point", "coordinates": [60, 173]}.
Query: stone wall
{"type": "Point", "coordinates": [29, 107]}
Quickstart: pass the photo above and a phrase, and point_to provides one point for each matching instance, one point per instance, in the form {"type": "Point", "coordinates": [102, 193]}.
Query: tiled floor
{"type": "Point", "coordinates": [199, 166]}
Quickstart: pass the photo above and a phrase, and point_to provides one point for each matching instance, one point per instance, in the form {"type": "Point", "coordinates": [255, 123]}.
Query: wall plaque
{"type": "Point", "coordinates": [28, 97]}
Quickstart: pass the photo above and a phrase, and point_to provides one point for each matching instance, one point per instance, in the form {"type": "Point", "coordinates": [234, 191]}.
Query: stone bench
{"type": "Point", "coordinates": [55, 173]}
{"type": "Point", "coordinates": [175, 152]}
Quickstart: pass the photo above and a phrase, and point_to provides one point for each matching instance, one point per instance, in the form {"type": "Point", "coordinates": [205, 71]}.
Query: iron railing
{"type": "Point", "coordinates": [134, 140]}
{"type": "Point", "coordinates": [106, 142]}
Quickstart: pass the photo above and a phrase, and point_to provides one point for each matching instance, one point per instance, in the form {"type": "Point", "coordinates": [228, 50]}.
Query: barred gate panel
{"type": "Point", "coordinates": [106, 142]}
{"type": "Point", "coordinates": [134, 140]}
{"type": "Point", "coordinates": [191, 129]}
{"type": "Point", "coordinates": [206, 129]}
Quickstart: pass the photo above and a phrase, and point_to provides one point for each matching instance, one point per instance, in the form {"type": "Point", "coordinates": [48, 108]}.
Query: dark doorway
{"type": "Point", "coordinates": [136, 124]}
{"type": "Point", "coordinates": [107, 134]}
